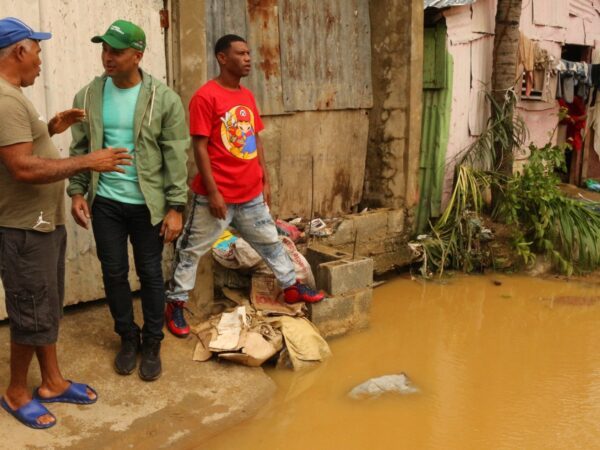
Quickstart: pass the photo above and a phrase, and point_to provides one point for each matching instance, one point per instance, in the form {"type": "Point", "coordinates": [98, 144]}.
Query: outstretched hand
{"type": "Point", "coordinates": [63, 120]}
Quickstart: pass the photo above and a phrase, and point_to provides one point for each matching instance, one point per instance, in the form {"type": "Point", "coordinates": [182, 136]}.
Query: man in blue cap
{"type": "Point", "coordinates": [32, 231]}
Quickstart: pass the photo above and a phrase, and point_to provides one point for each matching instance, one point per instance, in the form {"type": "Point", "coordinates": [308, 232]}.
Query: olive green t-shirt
{"type": "Point", "coordinates": [27, 206]}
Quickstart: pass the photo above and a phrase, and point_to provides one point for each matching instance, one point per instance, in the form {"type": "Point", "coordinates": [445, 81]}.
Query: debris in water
{"type": "Point", "coordinates": [373, 388]}
{"type": "Point", "coordinates": [497, 283]}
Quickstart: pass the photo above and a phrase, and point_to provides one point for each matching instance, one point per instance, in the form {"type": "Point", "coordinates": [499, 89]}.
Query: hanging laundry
{"type": "Point", "coordinates": [575, 80]}
{"type": "Point", "coordinates": [527, 59]}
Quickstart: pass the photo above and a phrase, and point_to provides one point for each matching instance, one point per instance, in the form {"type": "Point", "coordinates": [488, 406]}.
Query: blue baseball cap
{"type": "Point", "coordinates": [13, 30]}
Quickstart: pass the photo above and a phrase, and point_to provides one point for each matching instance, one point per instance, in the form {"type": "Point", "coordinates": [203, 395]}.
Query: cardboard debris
{"type": "Point", "coordinates": [236, 295]}
{"type": "Point", "coordinates": [304, 343]}
{"type": "Point", "coordinates": [255, 350]}
{"type": "Point", "coordinates": [201, 353]}
{"type": "Point", "coordinates": [228, 330]}
{"type": "Point", "coordinates": [267, 296]}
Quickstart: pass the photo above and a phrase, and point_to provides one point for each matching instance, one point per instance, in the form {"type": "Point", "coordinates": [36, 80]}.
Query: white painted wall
{"type": "Point", "coordinates": [69, 61]}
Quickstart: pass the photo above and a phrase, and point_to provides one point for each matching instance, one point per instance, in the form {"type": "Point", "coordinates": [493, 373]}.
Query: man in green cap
{"type": "Point", "coordinates": [127, 107]}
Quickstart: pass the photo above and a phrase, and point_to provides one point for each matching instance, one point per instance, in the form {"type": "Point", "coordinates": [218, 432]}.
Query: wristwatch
{"type": "Point", "coordinates": [178, 208]}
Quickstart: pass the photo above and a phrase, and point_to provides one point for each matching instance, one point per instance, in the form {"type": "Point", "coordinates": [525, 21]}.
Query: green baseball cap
{"type": "Point", "coordinates": [122, 34]}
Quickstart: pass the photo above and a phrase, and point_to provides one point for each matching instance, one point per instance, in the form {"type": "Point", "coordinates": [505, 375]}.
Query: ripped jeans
{"type": "Point", "coordinates": [253, 222]}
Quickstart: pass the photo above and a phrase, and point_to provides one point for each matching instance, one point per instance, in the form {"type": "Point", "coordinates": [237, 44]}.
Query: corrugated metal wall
{"type": "Point", "coordinates": [437, 102]}
{"type": "Point", "coordinates": [69, 61]}
{"type": "Point", "coordinates": [309, 55]}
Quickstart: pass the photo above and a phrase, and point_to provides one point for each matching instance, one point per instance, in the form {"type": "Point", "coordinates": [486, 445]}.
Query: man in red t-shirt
{"type": "Point", "coordinates": [231, 186]}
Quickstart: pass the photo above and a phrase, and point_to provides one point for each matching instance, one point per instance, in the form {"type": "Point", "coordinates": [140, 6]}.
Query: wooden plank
{"type": "Point", "coordinates": [481, 82]}
{"type": "Point", "coordinates": [339, 162]}
{"type": "Point", "coordinates": [484, 16]}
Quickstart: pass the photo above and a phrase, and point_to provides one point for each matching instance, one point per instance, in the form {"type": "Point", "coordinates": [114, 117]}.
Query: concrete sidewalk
{"type": "Point", "coordinates": [191, 401]}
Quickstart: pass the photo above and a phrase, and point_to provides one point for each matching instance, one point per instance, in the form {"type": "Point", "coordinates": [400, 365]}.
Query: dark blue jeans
{"type": "Point", "coordinates": [113, 222]}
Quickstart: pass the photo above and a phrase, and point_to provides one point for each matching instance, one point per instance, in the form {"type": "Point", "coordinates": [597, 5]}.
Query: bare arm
{"type": "Point", "coordinates": [261, 159]}
{"type": "Point", "coordinates": [26, 167]}
{"type": "Point", "coordinates": [217, 205]}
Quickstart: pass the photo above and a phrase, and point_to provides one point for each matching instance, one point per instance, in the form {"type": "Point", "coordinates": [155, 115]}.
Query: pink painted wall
{"type": "Point", "coordinates": [470, 42]}
{"type": "Point", "coordinates": [552, 23]}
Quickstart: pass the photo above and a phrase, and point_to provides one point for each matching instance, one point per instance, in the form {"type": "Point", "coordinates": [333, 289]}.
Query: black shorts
{"type": "Point", "coordinates": [32, 269]}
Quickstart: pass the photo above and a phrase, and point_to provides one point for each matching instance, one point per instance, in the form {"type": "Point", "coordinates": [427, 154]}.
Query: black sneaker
{"type": "Point", "coordinates": [126, 359]}
{"type": "Point", "coordinates": [150, 367]}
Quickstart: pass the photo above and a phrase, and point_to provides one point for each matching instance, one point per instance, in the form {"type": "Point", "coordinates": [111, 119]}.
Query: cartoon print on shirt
{"type": "Point", "coordinates": [237, 132]}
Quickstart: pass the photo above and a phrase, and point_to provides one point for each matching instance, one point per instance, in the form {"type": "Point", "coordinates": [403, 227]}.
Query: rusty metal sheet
{"type": "Point", "coordinates": [257, 22]}
{"type": "Point", "coordinates": [223, 17]}
{"type": "Point", "coordinates": [446, 3]}
{"type": "Point", "coordinates": [325, 54]}
{"type": "Point", "coordinates": [263, 35]}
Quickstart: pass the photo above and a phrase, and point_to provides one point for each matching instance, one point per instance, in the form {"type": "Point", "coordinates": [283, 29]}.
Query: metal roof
{"type": "Point", "coordinates": [446, 3]}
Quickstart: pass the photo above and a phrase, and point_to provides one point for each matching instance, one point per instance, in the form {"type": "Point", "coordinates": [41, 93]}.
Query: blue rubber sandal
{"type": "Point", "coordinates": [29, 413]}
{"type": "Point", "coordinates": [75, 393]}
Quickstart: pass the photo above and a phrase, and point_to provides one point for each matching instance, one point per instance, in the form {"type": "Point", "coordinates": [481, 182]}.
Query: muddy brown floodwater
{"type": "Point", "coordinates": [502, 362]}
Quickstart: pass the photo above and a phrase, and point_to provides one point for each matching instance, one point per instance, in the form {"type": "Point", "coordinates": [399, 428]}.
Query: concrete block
{"type": "Point", "coordinates": [371, 225]}
{"type": "Point", "coordinates": [339, 277]}
{"type": "Point", "coordinates": [318, 254]}
{"type": "Point", "coordinates": [396, 221]}
{"type": "Point", "coordinates": [338, 315]}
{"type": "Point", "coordinates": [343, 234]}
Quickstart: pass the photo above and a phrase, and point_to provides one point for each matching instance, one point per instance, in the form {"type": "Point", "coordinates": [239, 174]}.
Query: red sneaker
{"type": "Point", "coordinates": [302, 293]}
{"type": "Point", "coordinates": [175, 320]}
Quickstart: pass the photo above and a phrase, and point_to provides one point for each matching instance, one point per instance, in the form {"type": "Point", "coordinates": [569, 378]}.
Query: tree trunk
{"type": "Point", "coordinates": [504, 72]}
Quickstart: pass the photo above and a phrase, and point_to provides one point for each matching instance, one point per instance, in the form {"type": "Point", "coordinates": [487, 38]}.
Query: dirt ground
{"type": "Point", "coordinates": [190, 398]}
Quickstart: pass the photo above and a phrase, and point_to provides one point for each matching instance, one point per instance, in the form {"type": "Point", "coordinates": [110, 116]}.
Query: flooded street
{"type": "Point", "coordinates": [502, 362]}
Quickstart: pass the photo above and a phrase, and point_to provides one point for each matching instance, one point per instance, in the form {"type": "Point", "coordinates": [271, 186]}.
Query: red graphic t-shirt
{"type": "Point", "coordinates": [230, 120]}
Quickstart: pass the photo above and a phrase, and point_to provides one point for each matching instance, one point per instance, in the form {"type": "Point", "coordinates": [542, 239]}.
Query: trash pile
{"type": "Point", "coordinates": [375, 387]}
{"type": "Point", "coordinates": [258, 325]}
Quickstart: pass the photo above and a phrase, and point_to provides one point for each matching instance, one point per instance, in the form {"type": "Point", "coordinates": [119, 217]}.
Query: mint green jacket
{"type": "Point", "coordinates": [161, 139]}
